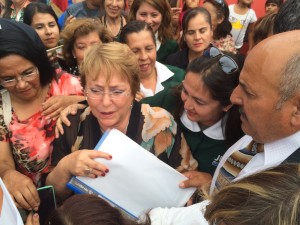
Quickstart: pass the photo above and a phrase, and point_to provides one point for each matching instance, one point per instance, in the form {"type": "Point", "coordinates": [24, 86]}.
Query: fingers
{"type": "Point", "coordinates": [139, 96]}
{"type": "Point", "coordinates": [32, 219]}
{"type": "Point", "coordinates": [59, 128]}
{"type": "Point", "coordinates": [195, 179]}
{"type": "Point", "coordinates": [27, 198]}
{"type": "Point", "coordinates": [81, 161]}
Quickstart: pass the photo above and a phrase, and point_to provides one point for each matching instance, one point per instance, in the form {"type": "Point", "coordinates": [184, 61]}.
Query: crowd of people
{"type": "Point", "coordinates": [172, 79]}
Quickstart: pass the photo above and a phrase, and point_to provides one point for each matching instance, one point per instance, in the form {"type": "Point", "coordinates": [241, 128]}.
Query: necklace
{"type": "Point", "coordinates": [121, 25]}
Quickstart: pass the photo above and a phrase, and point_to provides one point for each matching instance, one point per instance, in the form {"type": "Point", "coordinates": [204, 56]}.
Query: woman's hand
{"type": "Point", "coordinates": [69, 19]}
{"type": "Point", "coordinates": [22, 190]}
{"type": "Point", "coordinates": [195, 179]}
{"type": "Point", "coordinates": [32, 219]}
{"type": "Point", "coordinates": [139, 96]}
{"type": "Point", "coordinates": [63, 117]}
{"type": "Point", "coordinates": [54, 105]}
{"type": "Point", "coordinates": [82, 163]}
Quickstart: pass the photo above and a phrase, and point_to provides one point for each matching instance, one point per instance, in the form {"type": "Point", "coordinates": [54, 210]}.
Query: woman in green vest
{"type": "Point", "coordinates": [202, 108]}
{"type": "Point", "coordinates": [154, 76]}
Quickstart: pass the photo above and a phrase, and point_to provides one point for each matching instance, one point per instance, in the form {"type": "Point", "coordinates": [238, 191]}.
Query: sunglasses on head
{"type": "Point", "coordinates": [227, 63]}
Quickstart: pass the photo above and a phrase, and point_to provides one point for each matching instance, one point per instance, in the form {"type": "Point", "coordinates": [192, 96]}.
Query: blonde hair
{"type": "Point", "coordinates": [101, 59]}
{"type": "Point", "coordinates": [78, 28]}
{"type": "Point", "coordinates": [268, 197]}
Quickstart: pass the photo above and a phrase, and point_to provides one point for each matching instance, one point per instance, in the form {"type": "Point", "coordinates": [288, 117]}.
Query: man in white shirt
{"type": "Point", "coordinates": [269, 100]}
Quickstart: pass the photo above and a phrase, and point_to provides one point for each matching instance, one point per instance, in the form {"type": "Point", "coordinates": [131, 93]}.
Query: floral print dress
{"type": "Point", "coordinates": [31, 139]}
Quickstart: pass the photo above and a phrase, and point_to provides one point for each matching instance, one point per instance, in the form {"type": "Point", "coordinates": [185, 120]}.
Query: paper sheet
{"type": "Point", "coordinates": [137, 180]}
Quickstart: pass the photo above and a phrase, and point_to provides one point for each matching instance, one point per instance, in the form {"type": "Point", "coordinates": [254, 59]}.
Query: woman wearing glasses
{"type": "Point", "coordinates": [26, 130]}
{"type": "Point", "coordinates": [219, 13]}
{"type": "Point", "coordinates": [110, 75]}
{"type": "Point", "coordinates": [202, 108]}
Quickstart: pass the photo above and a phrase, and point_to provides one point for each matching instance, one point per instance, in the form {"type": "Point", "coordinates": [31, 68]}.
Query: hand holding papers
{"type": "Point", "coordinates": [137, 181]}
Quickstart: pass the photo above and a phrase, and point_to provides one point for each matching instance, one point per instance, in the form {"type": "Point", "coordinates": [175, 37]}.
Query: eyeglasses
{"type": "Point", "coordinates": [227, 63]}
{"type": "Point", "coordinates": [28, 75]}
{"type": "Point", "coordinates": [97, 94]}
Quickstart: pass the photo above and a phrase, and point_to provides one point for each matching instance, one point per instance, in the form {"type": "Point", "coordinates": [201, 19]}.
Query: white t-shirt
{"type": "Point", "coordinates": [239, 24]}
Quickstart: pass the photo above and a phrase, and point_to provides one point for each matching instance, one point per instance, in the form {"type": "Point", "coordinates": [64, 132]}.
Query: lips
{"type": "Point", "coordinates": [198, 44]}
{"type": "Point", "coordinates": [50, 40]}
{"type": "Point", "coordinates": [144, 67]}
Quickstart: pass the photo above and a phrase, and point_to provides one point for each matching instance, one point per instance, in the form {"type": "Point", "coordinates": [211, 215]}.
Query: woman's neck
{"type": "Point", "coordinates": [242, 6]}
{"type": "Point", "coordinates": [18, 6]}
{"type": "Point", "coordinates": [193, 55]}
{"type": "Point", "coordinates": [114, 24]}
{"type": "Point", "coordinates": [149, 82]}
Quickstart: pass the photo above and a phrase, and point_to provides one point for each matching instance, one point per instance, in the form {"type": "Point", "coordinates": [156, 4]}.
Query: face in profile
{"type": "Point", "coordinates": [82, 43]}
{"type": "Point", "coordinates": [150, 15]}
{"type": "Point", "coordinates": [47, 29]}
{"type": "Point", "coordinates": [213, 14]}
{"type": "Point", "coordinates": [198, 34]}
{"type": "Point", "coordinates": [198, 102]}
{"type": "Point", "coordinates": [142, 44]}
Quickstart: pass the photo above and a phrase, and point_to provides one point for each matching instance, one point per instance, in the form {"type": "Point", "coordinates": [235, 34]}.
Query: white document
{"type": "Point", "coordinates": [9, 215]}
{"type": "Point", "coordinates": [137, 180]}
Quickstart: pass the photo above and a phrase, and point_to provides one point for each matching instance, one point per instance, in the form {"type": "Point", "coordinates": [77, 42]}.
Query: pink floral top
{"type": "Point", "coordinates": [225, 44]}
{"type": "Point", "coordinates": [31, 139]}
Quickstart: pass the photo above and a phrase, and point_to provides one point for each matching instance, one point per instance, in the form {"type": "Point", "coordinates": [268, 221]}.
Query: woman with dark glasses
{"type": "Point", "coordinates": [202, 107]}
{"type": "Point", "coordinates": [219, 13]}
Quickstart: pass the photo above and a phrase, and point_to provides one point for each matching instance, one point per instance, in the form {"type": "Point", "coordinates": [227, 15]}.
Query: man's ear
{"type": "Point", "coordinates": [295, 119]}
{"type": "Point", "coordinates": [226, 108]}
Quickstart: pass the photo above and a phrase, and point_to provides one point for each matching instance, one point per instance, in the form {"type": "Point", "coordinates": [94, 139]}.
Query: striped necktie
{"type": "Point", "coordinates": [236, 162]}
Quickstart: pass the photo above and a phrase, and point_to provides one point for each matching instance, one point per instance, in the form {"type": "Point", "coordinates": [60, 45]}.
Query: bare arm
{"type": "Point", "coordinates": [19, 186]}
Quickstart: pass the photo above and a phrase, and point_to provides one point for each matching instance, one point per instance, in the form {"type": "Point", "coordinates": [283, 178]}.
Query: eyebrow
{"type": "Point", "coordinates": [196, 98]}
{"type": "Point", "coordinates": [245, 87]}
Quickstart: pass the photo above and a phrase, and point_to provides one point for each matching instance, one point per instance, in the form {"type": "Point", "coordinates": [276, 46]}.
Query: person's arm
{"type": "Point", "coordinates": [21, 187]}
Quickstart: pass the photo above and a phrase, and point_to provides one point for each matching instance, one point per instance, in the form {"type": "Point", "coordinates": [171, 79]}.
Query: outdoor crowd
{"type": "Point", "coordinates": [207, 87]}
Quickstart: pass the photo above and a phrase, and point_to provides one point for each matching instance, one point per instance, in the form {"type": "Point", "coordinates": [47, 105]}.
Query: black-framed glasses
{"type": "Point", "coordinates": [227, 63]}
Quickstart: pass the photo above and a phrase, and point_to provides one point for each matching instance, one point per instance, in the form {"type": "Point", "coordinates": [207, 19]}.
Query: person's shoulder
{"type": "Point", "coordinates": [158, 119]}
{"type": "Point", "coordinates": [178, 59]}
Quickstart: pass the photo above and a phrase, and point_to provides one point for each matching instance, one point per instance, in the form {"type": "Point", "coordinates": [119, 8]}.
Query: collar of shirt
{"type": "Point", "coordinates": [158, 43]}
{"type": "Point", "coordinates": [214, 131]}
{"type": "Point", "coordinates": [163, 74]}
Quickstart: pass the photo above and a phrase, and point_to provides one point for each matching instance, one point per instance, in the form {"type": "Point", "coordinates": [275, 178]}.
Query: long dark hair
{"type": "Point", "coordinates": [135, 26]}
{"type": "Point", "coordinates": [220, 86]}
{"type": "Point", "coordinates": [38, 7]}
{"type": "Point", "coordinates": [224, 28]}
